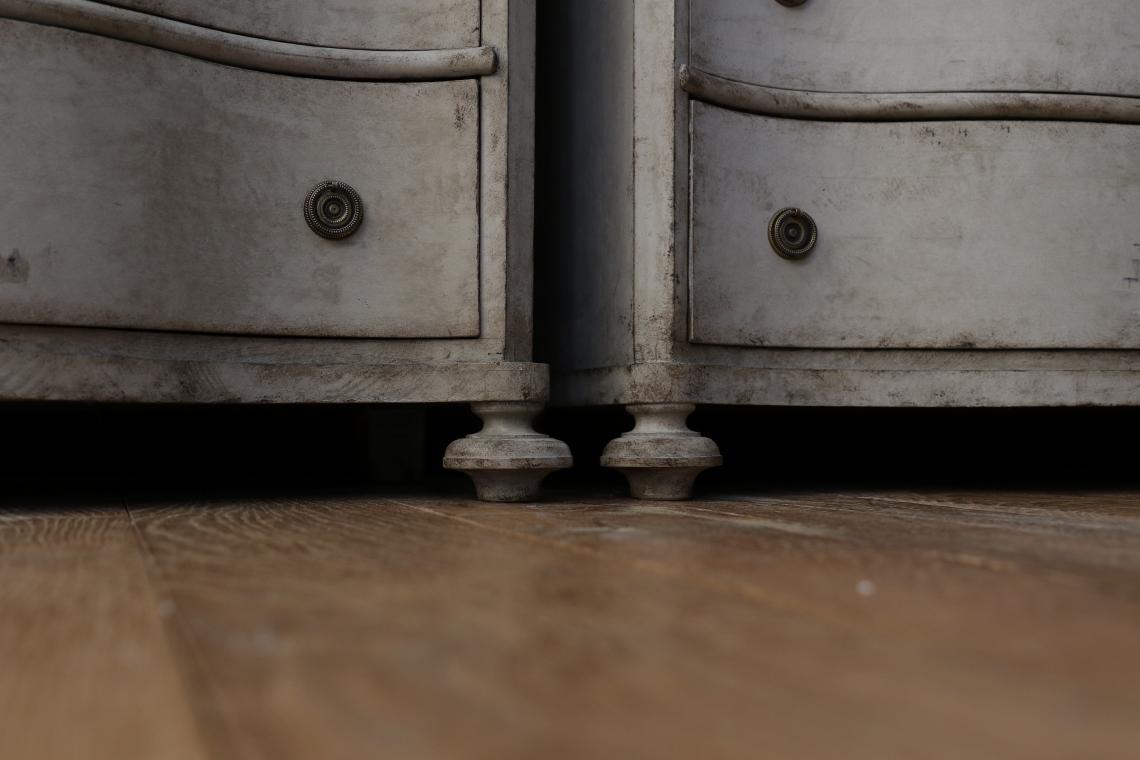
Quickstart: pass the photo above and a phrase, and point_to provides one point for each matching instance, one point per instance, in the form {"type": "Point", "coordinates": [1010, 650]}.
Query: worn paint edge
{"type": "Point", "coordinates": [28, 373]}
{"type": "Point", "coordinates": [917, 106]}
{"type": "Point", "coordinates": [253, 52]}
{"type": "Point", "coordinates": [867, 379]}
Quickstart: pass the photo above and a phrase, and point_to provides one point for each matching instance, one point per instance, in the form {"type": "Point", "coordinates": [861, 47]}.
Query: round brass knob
{"type": "Point", "coordinates": [333, 210]}
{"type": "Point", "coordinates": [792, 233]}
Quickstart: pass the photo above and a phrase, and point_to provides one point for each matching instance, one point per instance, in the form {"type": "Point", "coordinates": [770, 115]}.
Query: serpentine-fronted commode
{"type": "Point", "coordinates": [837, 202]}
{"type": "Point", "coordinates": [275, 201]}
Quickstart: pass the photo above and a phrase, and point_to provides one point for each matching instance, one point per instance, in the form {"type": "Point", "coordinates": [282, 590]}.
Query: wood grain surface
{"type": "Point", "coordinates": [86, 665]}
{"type": "Point", "coordinates": [864, 624]}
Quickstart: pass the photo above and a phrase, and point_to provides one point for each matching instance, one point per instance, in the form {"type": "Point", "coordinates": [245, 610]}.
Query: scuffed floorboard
{"type": "Point", "coordinates": [810, 624]}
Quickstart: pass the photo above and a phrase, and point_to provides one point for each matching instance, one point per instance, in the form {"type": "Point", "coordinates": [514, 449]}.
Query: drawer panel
{"type": "Point", "coordinates": [922, 45]}
{"type": "Point", "coordinates": [931, 235]}
{"type": "Point", "coordinates": [161, 192]}
{"type": "Point", "coordinates": [376, 24]}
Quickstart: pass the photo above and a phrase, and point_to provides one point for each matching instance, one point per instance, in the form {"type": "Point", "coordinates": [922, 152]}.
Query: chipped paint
{"type": "Point", "coordinates": [14, 268]}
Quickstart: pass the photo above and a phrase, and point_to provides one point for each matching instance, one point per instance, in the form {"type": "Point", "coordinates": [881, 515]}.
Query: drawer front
{"type": "Point", "coordinates": [931, 235]}
{"type": "Point", "coordinates": [145, 189]}
{"type": "Point", "coordinates": [376, 24]}
{"type": "Point", "coordinates": [920, 45]}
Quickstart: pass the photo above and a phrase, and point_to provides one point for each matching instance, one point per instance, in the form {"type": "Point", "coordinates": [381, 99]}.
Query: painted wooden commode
{"type": "Point", "coordinates": [834, 203]}
{"type": "Point", "coordinates": [275, 201]}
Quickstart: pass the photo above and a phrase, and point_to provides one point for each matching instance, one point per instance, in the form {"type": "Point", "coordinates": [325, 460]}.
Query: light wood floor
{"type": "Point", "coordinates": [848, 624]}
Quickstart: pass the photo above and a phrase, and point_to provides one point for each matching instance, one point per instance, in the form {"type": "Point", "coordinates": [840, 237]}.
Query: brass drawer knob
{"type": "Point", "coordinates": [792, 233]}
{"type": "Point", "coordinates": [333, 210]}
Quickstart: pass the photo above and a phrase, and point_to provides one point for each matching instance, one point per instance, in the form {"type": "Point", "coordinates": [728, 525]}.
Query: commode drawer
{"type": "Point", "coordinates": [922, 45]}
{"type": "Point", "coordinates": [146, 189]}
{"type": "Point", "coordinates": [981, 234]}
{"type": "Point", "coordinates": [377, 24]}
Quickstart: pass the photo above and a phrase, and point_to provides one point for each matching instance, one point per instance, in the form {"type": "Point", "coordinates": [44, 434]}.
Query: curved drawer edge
{"type": "Point", "coordinates": [253, 52]}
{"type": "Point", "coordinates": [919, 106]}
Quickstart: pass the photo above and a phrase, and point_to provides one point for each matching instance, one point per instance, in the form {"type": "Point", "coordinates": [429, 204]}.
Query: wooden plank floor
{"type": "Point", "coordinates": [811, 624]}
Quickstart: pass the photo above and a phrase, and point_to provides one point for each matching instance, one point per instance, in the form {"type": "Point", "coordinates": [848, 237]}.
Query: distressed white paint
{"type": "Point", "coordinates": [506, 161]}
{"type": "Point", "coordinates": [252, 52]}
{"type": "Point", "coordinates": [941, 267]}
{"type": "Point", "coordinates": [378, 24]}
{"type": "Point", "coordinates": [507, 459]}
{"type": "Point", "coordinates": [162, 192]}
{"type": "Point", "coordinates": [932, 235]}
{"type": "Point", "coordinates": [922, 45]}
{"type": "Point", "coordinates": [504, 307]}
{"type": "Point", "coordinates": [655, 123]}
{"type": "Point", "coordinates": [33, 369]}
{"type": "Point", "coordinates": [907, 106]}
{"type": "Point", "coordinates": [661, 456]}
{"type": "Point", "coordinates": [806, 377]}
{"type": "Point", "coordinates": [168, 191]}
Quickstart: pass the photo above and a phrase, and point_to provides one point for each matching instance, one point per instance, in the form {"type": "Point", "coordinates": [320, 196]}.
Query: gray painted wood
{"type": "Point", "coordinates": [907, 106]}
{"type": "Point", "coordinates": [506, 161]}
{"type": "Point", "coordinates": [922, 45]}
{"type": "Point", "coordinates": [1082, 299]}
{"type": "Point", "coordinates": [938, 235]}
{"type": "Point", "coordinates": [504, 306]}
{"type": "Point", "coordinates": [378, 24]}
{"type": "Point", "coordinates": [659, 120]}
{"type": "Point", "coordinates": [507, 459]}
{"type": "Point", "coordinates": [252, 52]}
{"type": "Point", "coordinates": [166, 346]}
{"type": "Point", "coordinates": [31, 370]}
{"type": "Point", "coordinates": [163, 192]}
{"type": "Point", "coordinates": [768, 377]}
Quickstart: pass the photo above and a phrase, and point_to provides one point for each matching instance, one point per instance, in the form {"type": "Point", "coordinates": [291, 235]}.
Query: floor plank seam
{"type": "Point", "coordinates": [213, 727]}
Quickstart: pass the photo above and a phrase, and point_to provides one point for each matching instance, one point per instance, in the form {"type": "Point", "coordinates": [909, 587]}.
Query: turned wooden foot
{"type": "Point", "coordinates": [507, 459]}
{"type": "Point", "coordinates": [661, 457]}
